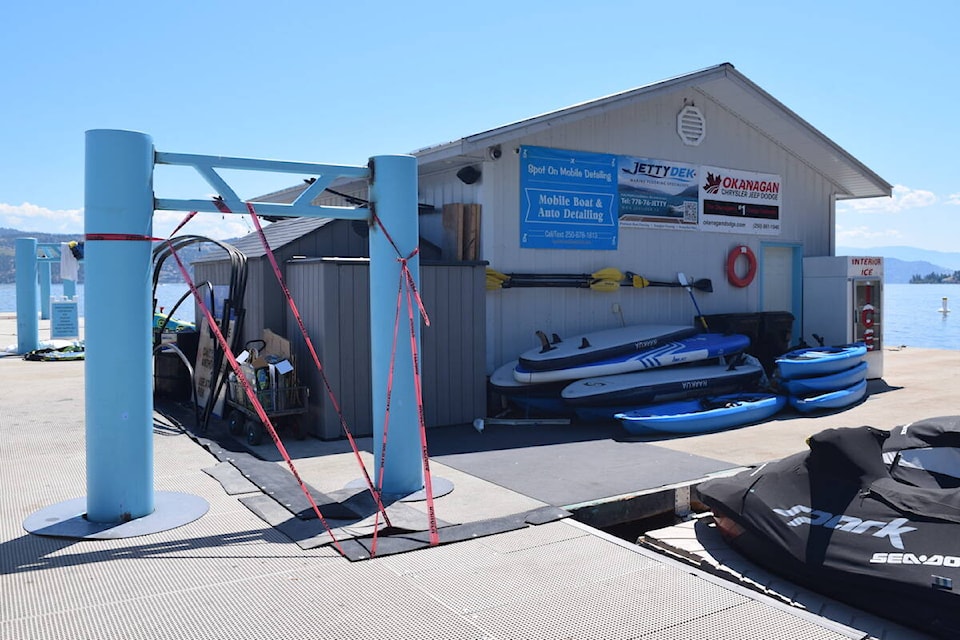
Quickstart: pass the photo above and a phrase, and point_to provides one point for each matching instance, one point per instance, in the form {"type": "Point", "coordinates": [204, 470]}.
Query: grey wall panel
{"type": "Point", "coordinates": [336, 315]}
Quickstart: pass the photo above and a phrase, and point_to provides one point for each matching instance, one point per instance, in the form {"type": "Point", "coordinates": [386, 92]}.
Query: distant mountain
{"type": "Point", "coordinates": [948, 261]}
{"type": "Point", "coordinates": [899, 272]}
{"type": "Point", "coordinates": [902, 263]}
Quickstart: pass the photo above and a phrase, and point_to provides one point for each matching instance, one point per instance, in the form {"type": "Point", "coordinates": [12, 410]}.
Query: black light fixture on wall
{"type": "Point", "coordinates": [468, 174]}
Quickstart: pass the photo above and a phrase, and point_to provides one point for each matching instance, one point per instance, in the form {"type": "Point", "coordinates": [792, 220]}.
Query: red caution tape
{"type": "Point", "coordinates": [251, 395]}
{"type": "Point", "coordinates": [124, 237]}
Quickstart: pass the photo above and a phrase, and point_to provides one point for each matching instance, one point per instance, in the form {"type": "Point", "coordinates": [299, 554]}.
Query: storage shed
{"type": "Point", "coordinates": [263, 302]}
{"type": "Point", "coordinates": [325, 266]}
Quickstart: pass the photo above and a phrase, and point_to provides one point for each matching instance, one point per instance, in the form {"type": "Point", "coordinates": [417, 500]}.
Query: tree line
{"type": "Point", "coordinates": [936, 278]}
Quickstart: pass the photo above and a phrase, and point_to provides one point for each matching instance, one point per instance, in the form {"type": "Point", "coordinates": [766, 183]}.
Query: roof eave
{"type": "Point", "coordinates": [857, 181]}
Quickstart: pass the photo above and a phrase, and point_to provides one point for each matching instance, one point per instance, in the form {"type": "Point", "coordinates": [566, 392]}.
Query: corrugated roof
{"type": "Point", "coordinates": [278, 234]}
{"type": "Point", "coordinates": [725, 86]}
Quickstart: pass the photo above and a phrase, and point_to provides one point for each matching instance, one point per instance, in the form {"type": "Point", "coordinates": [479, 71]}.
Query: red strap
{"type": "Point", "coordinates": [316, 361]}
{"type": "Point", "coordinates": [183, 222]}
{"type": "Point", "coordinates": [418, 390]}
{"type": "Point", "coordinates": [129, 237]}
{"type": "Point", "coordinates": [258, 407]}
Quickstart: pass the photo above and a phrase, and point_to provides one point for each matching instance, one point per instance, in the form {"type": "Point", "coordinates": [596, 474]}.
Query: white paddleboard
{"type": "Point", "coordinates": [562, 353]}
{"type": "Point", "coordinates": [702, 346]}
{"type": "Point", "coordinates": [661, 385]}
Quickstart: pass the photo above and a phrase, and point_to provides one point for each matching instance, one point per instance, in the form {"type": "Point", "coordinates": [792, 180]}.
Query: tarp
{"type": "Point", "coordinates": [848, 520]}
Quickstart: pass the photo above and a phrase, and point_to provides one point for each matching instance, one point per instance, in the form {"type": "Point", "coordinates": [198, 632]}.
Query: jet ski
{"type": "Point", "coordinates": [867, 516]}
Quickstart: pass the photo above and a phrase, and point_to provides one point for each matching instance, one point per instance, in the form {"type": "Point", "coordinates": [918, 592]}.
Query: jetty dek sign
{"type": "Point", "coordinates": [579, 200]}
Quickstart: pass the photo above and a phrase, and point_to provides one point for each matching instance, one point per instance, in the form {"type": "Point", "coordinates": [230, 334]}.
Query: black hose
{"type": "Point", "coordinates": [233, 306]}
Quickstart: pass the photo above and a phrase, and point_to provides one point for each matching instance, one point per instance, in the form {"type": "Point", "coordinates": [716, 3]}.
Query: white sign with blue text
{"type": "Point", "coordinates": [568, 199]}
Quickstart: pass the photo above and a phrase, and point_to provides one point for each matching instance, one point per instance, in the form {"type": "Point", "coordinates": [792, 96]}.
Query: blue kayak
{"type": "Point", "coordinates": [819, 361]}
{"type": "Point", "coordinates": [829, 382]}
{"type": "Point", "coordinates": [703, 346]}
{"type": "Point", "coordinates": [704, 415]}
{"type": "Point", "coordinates": [831, 400]}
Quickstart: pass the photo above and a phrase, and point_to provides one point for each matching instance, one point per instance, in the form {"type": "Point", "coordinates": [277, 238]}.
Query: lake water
{"type": "Point", "coordinates": [167, 296]}
{"type": "Point", "coordinates": [911, 314]}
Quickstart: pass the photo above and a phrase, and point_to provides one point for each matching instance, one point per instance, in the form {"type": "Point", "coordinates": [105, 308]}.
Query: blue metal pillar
{"type": "Point", "coordinates": [44, 276]}
{"type": "Point", "coordinates": [28, 323]}
{"type": "Point", "coordinates": [69, 289]}
{"type": "Point", "coordinates": [393, 195]}
{"type": "Point", "coordinates": [119, 401]}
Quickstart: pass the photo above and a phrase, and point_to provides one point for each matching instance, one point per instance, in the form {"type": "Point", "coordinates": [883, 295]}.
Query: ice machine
{"type": "Point", "coordinates": [843, 303]}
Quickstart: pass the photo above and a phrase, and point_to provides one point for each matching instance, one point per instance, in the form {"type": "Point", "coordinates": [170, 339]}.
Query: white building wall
{"type": "Point", "coordinates": [646, 129]}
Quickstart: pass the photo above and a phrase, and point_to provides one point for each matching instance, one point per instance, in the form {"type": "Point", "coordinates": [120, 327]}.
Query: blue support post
{"type": "Point", "coordinates": [44, 276]}
{"type": "Point", "coordinates": [69, 289]}
{"type": "Point", "coordinates": [119, 399]}
{"type": "Point", "coordinates": [393, 194]}
{"type": "Point", "coordinates": [28, 323]}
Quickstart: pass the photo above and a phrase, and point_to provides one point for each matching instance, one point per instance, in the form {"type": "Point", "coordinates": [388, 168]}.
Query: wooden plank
{"type": "Point", "coordinates": [204, 366]}
{"type": "Point", "coordinates": [452, 245]}
{"type": "Point", "coordinates": [471, 232]}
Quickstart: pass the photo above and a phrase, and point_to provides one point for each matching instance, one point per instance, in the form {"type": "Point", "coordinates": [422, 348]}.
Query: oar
{"type": "Point", "coordinates": [598, 285]}
{"type": "Point", "coordinates": [686, 285]}
{"type": "Point", "coordinates": [608, 273]}
{"type": "Point", "coordinates": [639, 282]}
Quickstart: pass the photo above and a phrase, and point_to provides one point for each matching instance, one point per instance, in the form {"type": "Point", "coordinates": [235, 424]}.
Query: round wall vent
{"type": "Point", "coordinates": [691, 125]}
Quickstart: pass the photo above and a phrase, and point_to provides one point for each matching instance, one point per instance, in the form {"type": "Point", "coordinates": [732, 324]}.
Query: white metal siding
{"type": "Point", "coordinates": [646, 129]}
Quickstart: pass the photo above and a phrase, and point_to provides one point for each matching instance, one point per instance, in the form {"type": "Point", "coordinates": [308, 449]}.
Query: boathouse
{"type": "Point", "coordinates": [705, 174]}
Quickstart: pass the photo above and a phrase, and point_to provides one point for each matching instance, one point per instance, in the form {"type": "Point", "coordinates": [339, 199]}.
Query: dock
{"type": "Point", "coordinates": [526, 550]}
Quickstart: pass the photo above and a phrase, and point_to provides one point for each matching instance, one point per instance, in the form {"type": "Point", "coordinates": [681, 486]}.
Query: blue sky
{"type": "Point", "coordinates": [338, 83]}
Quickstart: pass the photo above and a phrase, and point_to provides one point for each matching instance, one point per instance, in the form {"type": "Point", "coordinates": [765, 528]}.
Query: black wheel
{"type": "Point", "coordinates": [254, 432]}
{"type": "Point", "coordinates": [235, 422]}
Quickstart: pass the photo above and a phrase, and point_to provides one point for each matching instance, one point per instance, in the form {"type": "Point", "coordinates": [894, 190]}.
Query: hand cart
{"type": "Point", "coordinates": [282, 404]}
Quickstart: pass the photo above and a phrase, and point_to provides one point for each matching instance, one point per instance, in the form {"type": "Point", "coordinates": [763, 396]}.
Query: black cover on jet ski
{"type": "Point", "coordinates": [835, 520]}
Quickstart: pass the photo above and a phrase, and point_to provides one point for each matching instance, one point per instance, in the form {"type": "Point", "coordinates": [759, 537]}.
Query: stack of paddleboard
{"type": "Point", "coordinates": [640, 367]}
{"type": "Point", "coordinates": [824, 378]}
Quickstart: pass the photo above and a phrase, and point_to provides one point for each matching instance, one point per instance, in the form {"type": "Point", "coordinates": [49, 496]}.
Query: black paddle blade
{"type": "Point", "coordinates": [703, 284]}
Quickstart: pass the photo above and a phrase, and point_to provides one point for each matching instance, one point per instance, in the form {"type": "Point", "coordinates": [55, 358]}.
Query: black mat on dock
{"type": "Point", "coordinates": [565, 465]}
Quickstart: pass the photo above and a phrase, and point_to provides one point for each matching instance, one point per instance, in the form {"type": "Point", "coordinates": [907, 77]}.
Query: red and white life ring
{"type": "Point", "coordinates": [732, 277]}
{"type": "Point", "coordinates": [866, 315]}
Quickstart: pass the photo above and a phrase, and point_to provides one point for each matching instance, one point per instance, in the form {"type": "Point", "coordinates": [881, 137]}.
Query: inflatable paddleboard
{"type": "Point", "coordinates": [662, 385]}
{"type": "Point", "coordinates": [818, 361]}
{"type": "Point", "coordinates": [703, 415]}
{"type": "Point", "coordinates": [829, 382]}
{"type": "Point", "coordinates": [702, 346]}
{"type": "Point", "coordinates": [536, 398]}
{"type": "Point", "coordinates": [831, 400]}
{"type": "Point", "coordinates": [562, 353]}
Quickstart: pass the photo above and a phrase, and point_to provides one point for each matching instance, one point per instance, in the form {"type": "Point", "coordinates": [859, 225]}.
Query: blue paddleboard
{"type": "Point", "coordinates": [702, 346]}
{"type": "Point", "coordinates": [562, 353]}
{"type": "Point", "coordinates": [537, 398]}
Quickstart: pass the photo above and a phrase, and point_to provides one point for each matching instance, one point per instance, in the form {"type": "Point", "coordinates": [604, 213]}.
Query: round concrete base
{"type": "Point", "coordinates": [69, 519]}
